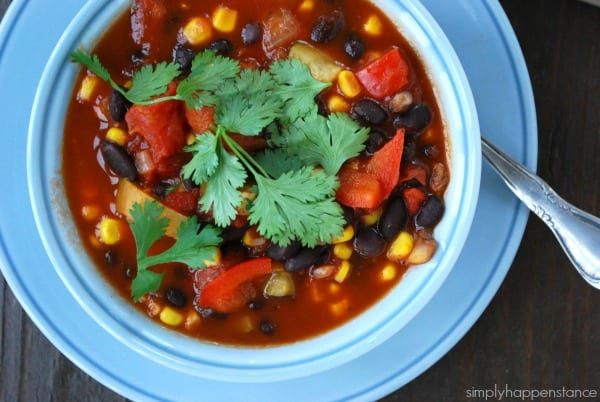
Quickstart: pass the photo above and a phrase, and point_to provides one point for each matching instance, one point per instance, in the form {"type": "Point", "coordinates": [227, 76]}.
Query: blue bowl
{"type": "Point", "coordinates": [171, 349]}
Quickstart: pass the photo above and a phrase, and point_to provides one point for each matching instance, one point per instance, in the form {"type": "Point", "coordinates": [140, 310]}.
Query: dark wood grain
{"type": "Point", "coordinates": [541, 330]}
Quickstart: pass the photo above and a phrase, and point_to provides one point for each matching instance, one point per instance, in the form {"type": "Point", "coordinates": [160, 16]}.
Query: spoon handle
{"type": "Point", "coordinates": [577, 231]}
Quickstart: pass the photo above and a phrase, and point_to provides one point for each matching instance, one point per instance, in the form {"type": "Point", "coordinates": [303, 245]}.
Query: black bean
{"type": "Point", "coordinates": [281, 253]}
{"type": "Point", "coordinates": [118, 105]}
{"type": "Point", "coordinates": [431, 212]}
{"type": "Point", "coordinates": [324, 255]}
{"type": "Point", "coordinates": [375, 142]}
{"type": "Point", "coordinates": [393, 219]}
{"type": "Point", "coordinates": [189, 184]}
{"type": "Point", "coordinates": [267, 327]}
{"type": "Point", "coordinates": [130, 272]}
{"type": "Point", "coordinates": [328, 27]}
{"type": "Point", "coordinates": [251, 33]}
{"type": "Point", "coordinates": [410, 148]}
{"type": "Point", "coordinates": [118, 160]}
{"type": "Point", "coordinates": [255, 305]}
{"type": "Point", "coordinates": [232, 233]}
{"type": "Point", "coordinates": [414, 119]}
{"type": "Point", "coordinates": [349, 214]}
{"type": "Point", "coordinates": [210, 313]}
{"type": "Point", "coordinates": [368, 242]}
{"type": "Point", "coordinates": [369, 112]}
{"type": "Point", "coordinates": [354, 47]}
{"type": "Point", "coordinates": [221, 47]}
{"type": "Point", "coordinates": [431, 151]}
{"type": "Point", "coordinates": [304, 259]}
{"type": "Point", "coordinates": [111, 257]}
{"type": "Point", "coordinates": [175, 297]}
{"type": "Point", "coordinates": [183, 56]}
{"type": "Point", "coordinates": [161, 189]}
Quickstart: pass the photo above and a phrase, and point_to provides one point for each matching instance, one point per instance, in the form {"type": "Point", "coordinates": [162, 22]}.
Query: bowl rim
{"type": "Point", "coordinates": [244, 364]}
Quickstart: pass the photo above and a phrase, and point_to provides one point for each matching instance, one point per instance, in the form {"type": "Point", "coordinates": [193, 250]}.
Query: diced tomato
{"type": "Point", "coordinates": [413, 198]}
{"type": "Point", "coordinates": [200, 120]}
{"type": "Point", "coordinates": [230, 291]}
{"type": "Point", "coordinates": [162, 125]}
{"type": "Point", "coordinates": [410, 171]}
{"type": "Point", "coordinates": [147, 19]}
{"type": "Point", "coordinates": [184, 202]}
{"type": "Point", "coordinates": [385, 163]}
{"type": "Point", "coordinates": [358, 189]}
{"type": "Point", "coordinates": [385, 75]}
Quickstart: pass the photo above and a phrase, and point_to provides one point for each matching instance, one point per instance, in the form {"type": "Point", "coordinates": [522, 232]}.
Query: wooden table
{"type": "Point", "coordinates": [542, 329]}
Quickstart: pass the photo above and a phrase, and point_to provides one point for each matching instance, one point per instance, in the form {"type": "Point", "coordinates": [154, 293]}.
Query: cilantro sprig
{"type": "Point", "coordinates": [191, 247]}
{"type": "Point", "coordinates": [295, 181]}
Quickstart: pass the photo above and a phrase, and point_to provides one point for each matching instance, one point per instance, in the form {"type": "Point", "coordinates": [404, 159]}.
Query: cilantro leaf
{"type": "Point", "coordinates": [190, 247]}
{"type": "Point", "coordinates": [150, 82]}
{"type": "Point", "coordinates": [221, 196]}
{"type": "Point", "coordinates": [205, 159]}
{"type": "Point", "coordinates": [92, 63]}
{"type": "Point", "coordinates": [328, 142]}
{"type": "Point", "coordinates": [297, 205]}
{"type": "Point", "coordinates": [297, 87]}
{"type": "Point", "coordinates": [277, 162]}
{"type": "Point", "coordinates": [147, 227]}
{"type": "Point", "coordinates": [248, 104]}
{"type": "Point", "coordinates": [208, 73]}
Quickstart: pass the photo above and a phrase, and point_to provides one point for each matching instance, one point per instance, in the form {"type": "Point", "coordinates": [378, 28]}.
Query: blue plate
{"type": "Point", "coordinates": [494, 64]}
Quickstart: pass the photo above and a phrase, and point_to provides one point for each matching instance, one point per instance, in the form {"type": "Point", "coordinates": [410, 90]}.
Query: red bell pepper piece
{"type": "Point", "coordinates": [385, 163]}
{"type": "Point", "coordinates": [385, 75]}
{"type": "Point", "coordinates": [358, 189]}
{"type": "Point", "coordinates": [413, 198]}
{"type": "Point", "coordinates": [228, 291]}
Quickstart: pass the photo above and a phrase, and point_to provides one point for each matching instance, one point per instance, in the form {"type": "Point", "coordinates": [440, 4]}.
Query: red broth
{"type": "Point", "coordinates": [323, 299]}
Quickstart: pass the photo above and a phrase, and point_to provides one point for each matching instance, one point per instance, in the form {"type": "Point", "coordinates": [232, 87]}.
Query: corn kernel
{"type": "Point", "coordinates": [401, 246]}
{"type": "Point", "coordinates": [316, 292]}
{"type": "Point", "coordinates": [347, 235]}
{"type": "Point", "coordinates": [245, 324]}
{"type": "Point", "coordinates": [348, 84]}
{"type": "Point", "coordinates": [216, 260]}
{"type": "Point", "coordinates": [88, 87]}
{"type": "Point", "coordinates": [253, 239]}
{"type": "Point", "coordinates": [117, 135]}
{"type": "Point", "coordinates": [373, 26]}
{"type": "Point", "coordinates": [372, 217]}
{"type": "Point", "coordinates": [343, 272]}
{"type": "Point", "coordinates": [190, 139]}
{"type": "Point", "coordinates": [109, 231]}
{"type": "Point", "coordinates": [343, 251]}
{"type": "Point", "coordinates": [95, 242]}
{"type": "Point", "coordinates": [171, 317]}
{"type": "Point", "coordinates": [192, 321]}
{"type": "Point", "coordinates": [224, 19]}
{"type": "Point", "coordinates": [307, 5]}
{"type": "Point", "coordinates": [336, 103]}
{"type": "Point", "coordinates": [128, 84]}
{"type": "Point", "coordinates": [340, 308]}
{"type": "Point", "coordinates": [334, 288]}
{"type": "Point", "coordinates": [198, 31]}
{"type": "Point", "coordinates": [90, 212]}
{"type": "Point", "coordinates": [388, 272]}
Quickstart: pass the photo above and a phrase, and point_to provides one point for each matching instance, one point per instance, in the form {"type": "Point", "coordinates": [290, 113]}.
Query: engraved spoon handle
{"type": "Point", "coordinates": [577, 231]}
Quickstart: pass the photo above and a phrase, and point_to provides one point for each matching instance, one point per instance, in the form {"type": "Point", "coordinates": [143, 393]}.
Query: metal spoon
{"type": "Point", "coordinates": [577, 231]}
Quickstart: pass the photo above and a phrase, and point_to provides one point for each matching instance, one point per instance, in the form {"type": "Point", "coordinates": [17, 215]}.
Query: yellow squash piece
{"type": "Point", "coordinates": [322, 67]}
{"type": "Point", "coordinates": [128, 194]}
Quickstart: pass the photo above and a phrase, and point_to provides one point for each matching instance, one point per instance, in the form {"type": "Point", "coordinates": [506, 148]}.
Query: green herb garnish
{"type": "Point", "coordinates": [295, 182]}
{"type": "Point", "coordinates": [192, 247]}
